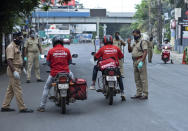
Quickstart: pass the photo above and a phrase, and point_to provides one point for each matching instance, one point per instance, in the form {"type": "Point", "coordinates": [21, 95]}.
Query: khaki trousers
{"type": "Point", "coordinates": [14, 88]}
{"type": "Point", "coordinates": [141, 80]}
{"type": "Point", "coordinates": [33, 58]}
{"type": "Point", "coordinates": [150, 54]}
{"type": "Point", "coordinates": [121, 67]}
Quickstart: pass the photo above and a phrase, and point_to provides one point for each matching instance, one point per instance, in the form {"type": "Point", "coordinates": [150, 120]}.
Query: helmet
{"type": "Point", "coordinates": [166, 39]}
{"type": "Point", "coordinates": [57, 40]}
{"type": "Point", "coordinates": [108, 39]}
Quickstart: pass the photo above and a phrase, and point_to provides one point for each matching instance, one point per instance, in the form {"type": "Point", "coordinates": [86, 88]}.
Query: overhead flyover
{"type": "Point", "coordinates": [84, 16]}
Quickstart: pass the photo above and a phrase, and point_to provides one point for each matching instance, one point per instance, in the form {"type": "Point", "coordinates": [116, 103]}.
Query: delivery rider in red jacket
{"type": "Point", "coordinates": [58, 59]}
{"type": "Point", "coordinates": [108, 51]}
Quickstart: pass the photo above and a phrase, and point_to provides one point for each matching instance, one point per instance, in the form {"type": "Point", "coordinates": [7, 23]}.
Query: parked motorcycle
{"type": "Point", "coordinates": [166, 54]}
{"type": "Point", "coordinates": [68, 90]}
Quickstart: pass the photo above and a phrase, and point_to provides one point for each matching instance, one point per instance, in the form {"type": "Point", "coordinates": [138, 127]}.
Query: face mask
{"type": "Point", "coordinates": [136, 37]}
{"type": "Point", "coordinates": [117, 37]}
{"type": "Point", "coordinates": [32, 36]}
{"type": "Point", "coordinates": [17, 42]}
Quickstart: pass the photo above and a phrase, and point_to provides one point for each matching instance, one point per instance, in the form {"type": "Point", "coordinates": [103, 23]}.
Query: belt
{"type": "Point", "coordinates": [18, 66]}
{"type": "Point", "coordinates": [33, 51]}
{"type": "Point", "coordinates": [136, 58]}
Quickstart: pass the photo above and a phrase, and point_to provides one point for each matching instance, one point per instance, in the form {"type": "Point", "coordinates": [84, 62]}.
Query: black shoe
{"type": "Point", "coordinates": [122, 76]}
{"type": "Point", "coordinates": [143, 98]}
{"type": "Point", "coordinates": [39, 80]}
{"type": "Point", "coordinates": [51, 98]}
{"type": "Point", "coordinates": [136, 97]}
{"type": "Point", "coordinates": [26, 111]}
{"type": "Point", "coordinates": [7, 109]}
{"type": "Point", "coordinates": [28, 81]}
{"type": "Point", "coordinates": [172, 62]}
{"type": "Point", "coordinates": [99, 90]}
{"type": "Point", "coordinates": [123, 98]}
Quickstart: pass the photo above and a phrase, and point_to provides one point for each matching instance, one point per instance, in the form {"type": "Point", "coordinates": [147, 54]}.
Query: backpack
{"type": "Point", "coordinates": [141, 45]}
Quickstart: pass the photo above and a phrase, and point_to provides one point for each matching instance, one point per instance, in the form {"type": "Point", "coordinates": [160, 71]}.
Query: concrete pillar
{"type": "Point", "coordinates": [98, 27]}
{"type": "Point", "coordinates": [104, 32]}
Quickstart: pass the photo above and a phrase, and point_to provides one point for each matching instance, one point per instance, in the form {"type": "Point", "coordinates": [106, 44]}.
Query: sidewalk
{"type": "Point", "coordinates": [177, 58]}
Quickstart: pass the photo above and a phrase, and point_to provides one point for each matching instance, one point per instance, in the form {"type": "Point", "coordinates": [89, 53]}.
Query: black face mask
{"type": "Point", "coordinates": [17, 42]}
{"type": "Point", "coordinates": [117, 37]}
{"type": "Point", "coordinates": [136, 38]}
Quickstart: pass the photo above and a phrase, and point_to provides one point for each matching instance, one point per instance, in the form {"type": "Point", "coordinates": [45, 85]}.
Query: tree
{"type": "Point", "coordinates": [10, 13]}
{"type": "Point", "coordinates": [15, 12]}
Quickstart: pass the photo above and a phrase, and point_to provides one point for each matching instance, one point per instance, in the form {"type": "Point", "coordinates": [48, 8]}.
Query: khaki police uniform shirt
{"type": "Point", "coordinates": [137, 51]}
{"type": "Point", "coordinates": [150, 45]}
{"type": "Point", "coordinates": [32, 45]}
{"type": "Point", "coordinates": [13, 52]}
{"type": "Point", "coordinates": [118, 44]}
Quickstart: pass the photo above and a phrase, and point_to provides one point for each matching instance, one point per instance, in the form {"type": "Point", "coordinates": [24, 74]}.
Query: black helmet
{"type": "Point", "coordinates": [166, 39]}
{"type": "Point", "coordinates": [108, 39]}
{"type": "Point", "coordinates": [57, 40]}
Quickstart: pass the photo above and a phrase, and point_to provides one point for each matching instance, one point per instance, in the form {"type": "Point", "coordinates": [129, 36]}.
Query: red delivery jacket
{"type": "Point", "coordinates": [109, 51]}
{"type": "Point", "coordinates": [59, 58]}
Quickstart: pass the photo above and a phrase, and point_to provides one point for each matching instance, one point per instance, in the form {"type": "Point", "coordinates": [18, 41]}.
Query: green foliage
{"type": "Point", "coordinates": [46, 7]}
{"type": "Point", "coordinates": [141, 16]}
{"type": "Point", "coordinates": [12, 11]}
{"type": "Point", "coordinates": [167, 28]}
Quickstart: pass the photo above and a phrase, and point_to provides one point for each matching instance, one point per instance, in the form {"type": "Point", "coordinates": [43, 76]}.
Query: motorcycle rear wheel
{"type": "Point", "coordinates": [57, 99]}
{"type": "Point", "coordinates": [63, 105]}
{"type": "Point", "coordinates": [110, 97]}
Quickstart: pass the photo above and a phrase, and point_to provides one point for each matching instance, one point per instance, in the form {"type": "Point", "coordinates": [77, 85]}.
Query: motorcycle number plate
{"type": "Point", "coordinates": [111, 84]}
{"type": "Point", "coordinates": [63, 86]}
{"type": "Point", "coordinates": [111, 78]}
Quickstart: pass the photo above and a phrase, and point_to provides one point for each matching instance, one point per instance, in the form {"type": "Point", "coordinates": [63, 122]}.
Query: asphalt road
{"type": "Point", "coordinates": [166, 109]}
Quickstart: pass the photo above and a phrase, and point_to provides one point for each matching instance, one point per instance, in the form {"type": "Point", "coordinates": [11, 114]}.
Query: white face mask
{"type": "Point", "coordinates": [32, 36]}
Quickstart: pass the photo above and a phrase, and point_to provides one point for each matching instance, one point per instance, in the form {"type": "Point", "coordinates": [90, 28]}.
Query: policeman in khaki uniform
{"type": "Point", "coordinates": [14, 69]}
{"type": "Point", "coordinates": [119, 43]}
{"type": "Point", "coordinates": [32, 50]}
{"type": "Point", "coordinates": [150, 50]}
{"type": "Point", "coordinates": [139, 53]}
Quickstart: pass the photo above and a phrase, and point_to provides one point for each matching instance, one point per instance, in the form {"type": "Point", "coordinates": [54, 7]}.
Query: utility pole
{"type": "Point", "coordinates": [149, 15]}
{"type": "Point", "coordinates": [160, 24]}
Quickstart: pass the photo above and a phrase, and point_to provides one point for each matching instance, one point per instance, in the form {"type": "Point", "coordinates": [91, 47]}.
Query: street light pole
{"type": "Point", "coordinates": [159, 22]}
{"type": "Point", "coordinates": [47, 23]}
{"type": "Point", "coordinates": [149, 13]}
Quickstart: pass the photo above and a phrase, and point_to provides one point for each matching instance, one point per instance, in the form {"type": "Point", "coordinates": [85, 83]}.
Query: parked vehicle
{"type": "Point", "coordinates": [66, 41]}
{"type": "Point", "coordinates": [67, 91]}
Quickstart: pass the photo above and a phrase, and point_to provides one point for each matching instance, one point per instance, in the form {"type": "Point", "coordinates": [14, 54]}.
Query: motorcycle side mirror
{"type": "Point", "coordinates": [93, 53]}
{"type": "Point", "coordinates": [75, 56]}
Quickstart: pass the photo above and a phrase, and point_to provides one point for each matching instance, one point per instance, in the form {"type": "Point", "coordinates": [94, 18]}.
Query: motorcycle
{"type": "Point", "coordinates": [68, 90]}
{"type": "Point", "coordinates": [108, 82]}
{"type": "Point", "coordinates": [166, 54]}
